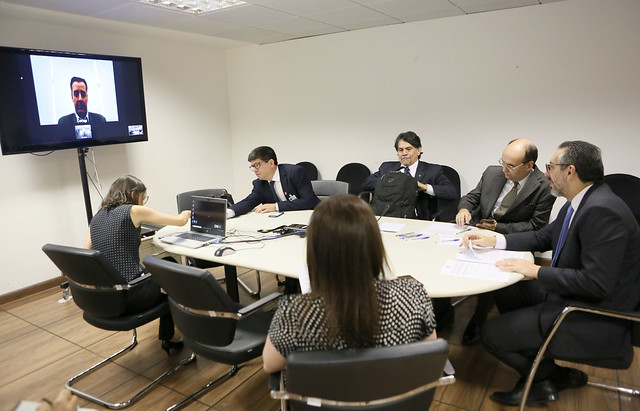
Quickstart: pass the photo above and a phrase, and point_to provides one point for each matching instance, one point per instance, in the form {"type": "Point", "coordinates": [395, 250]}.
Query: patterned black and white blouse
{"type": "Point", "coordinates": [406, 315]}
{"type": "Point", "coordinates": [115, 236]}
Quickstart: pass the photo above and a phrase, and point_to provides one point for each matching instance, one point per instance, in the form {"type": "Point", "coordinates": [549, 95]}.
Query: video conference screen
{"type": "Point", "coordinates": [51, 100]}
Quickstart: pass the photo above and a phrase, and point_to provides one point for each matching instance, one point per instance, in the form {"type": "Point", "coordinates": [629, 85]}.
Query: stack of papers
{"type": "Point", "coordinates": [479, 264]}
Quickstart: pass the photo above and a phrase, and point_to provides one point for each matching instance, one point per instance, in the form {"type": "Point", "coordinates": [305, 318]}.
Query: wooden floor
{"type": "Point", "coordinates": [43, 343]}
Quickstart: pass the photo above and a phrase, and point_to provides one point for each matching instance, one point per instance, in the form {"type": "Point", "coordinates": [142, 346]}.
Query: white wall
{"type": "Point", "coordinates": [187, 115]}
{"type": "Point", "coordinates": [467, 85]}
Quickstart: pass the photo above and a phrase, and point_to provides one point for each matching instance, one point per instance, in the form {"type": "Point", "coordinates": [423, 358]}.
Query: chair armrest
{"type": "Point", "coordinates": [137, 281]}
{"type": "Point", "coordinates": [274, 380]}
{"type": "Point", "coordinates": [366, 196]}
{"type": "Point", "coordinates": [258, 304]}
{"type": "Point", "coordinates": [625, 315]}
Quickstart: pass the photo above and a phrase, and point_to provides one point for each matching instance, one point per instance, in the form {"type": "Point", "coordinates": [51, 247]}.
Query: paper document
{"type": "Point", "coordinates": [476, 270]}
{"type": "Point", "coordinates": [486, 255]}
{"type": "Point", "coordinates": [391, 227]}
{"type": "Point", "coordinates": [305, 282]}
{"type": "Point", "coordinates": [443, 229]}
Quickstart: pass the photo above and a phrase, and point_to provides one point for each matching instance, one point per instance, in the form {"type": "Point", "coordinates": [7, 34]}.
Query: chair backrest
{"type": "Point", "coordinates": [310, 169]}
{"type": "Point", "coordinates": [325, 188]}
{"type": "Point", "coordinates": [354, 174]}
{"type": "Point", "coordinates": [447, 209]}
{"type": "Point", "coordinates": [193, 292]}
{"type": "Point", "coordinates": [184, 199]}
{"type": "Point", "coordinates": [368, 374]}
{"type": "Point", "coordinates": [627, 187]}
{"type": "Point", "coordinates": [90, 268]}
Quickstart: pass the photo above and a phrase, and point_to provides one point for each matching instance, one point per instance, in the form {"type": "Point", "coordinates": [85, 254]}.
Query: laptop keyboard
{"type": "Point", "coordinates": [195, 236]}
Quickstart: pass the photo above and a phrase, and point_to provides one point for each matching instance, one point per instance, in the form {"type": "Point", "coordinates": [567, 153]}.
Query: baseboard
{"type": "Point", "coordinates": [32, 289]}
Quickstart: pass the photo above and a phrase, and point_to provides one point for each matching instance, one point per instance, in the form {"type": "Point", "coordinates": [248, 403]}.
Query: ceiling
{"type": "Point", "coordinates": [271, 21]}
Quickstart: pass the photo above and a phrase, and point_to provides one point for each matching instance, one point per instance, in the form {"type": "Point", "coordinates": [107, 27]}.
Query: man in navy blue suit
{"type": "Point", "coordinates": [432, 183]}
{"type": "Point", "coordinates": [595, 241]}
{"type": "Point", "coordinates": [279, 187]}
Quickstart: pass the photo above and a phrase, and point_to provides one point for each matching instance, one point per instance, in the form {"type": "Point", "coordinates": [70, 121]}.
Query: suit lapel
{"type": "Point", "coordinates": [532, 185]}
{"type": "Point", "coordinates": [493, 192]}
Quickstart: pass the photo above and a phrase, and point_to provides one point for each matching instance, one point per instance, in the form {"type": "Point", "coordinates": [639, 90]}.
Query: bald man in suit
{"type": "Point", "coordinates": [485, 207]}
{"type": "Point", "coordinates": [595, 242]}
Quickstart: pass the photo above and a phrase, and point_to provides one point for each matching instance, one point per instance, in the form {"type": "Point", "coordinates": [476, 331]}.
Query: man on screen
{"type": "Point", "coordinates": [80, 98]}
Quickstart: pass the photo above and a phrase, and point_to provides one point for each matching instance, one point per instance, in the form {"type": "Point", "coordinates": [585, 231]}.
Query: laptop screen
{"type": "Point", "coordinates": [209, 215]}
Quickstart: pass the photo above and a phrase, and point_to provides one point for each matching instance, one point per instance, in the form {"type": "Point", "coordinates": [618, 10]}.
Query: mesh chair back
{"type": "Point", "coordinates": [368, 374]}
{"type": "Point", "coordinates": [354, 174]}
{"type": "Point", "coordinates": [627, 187]}
{"type": "Point", "coordinates": [184, 199]}
{"type": "Point", "coordinates": [325, 188]}
{"type": "Point", "coordinates": [194, 288]}
{"type": "Point", "coordinates": [90, 267]}
{"type": "Point", "coordinates": [310, 169]}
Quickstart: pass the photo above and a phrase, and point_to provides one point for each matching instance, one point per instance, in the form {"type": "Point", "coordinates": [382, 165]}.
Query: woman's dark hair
{"type": "Point", "coordinates": [345, 255]}
{"type": "Point", "coordinates": [121, 191]}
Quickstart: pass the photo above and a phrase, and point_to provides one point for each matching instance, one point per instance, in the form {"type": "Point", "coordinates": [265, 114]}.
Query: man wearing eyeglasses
{"type": "Point", "coordinates": [278, 187]}
{"type": "Point", "coordinates": [80, 98]}
{"type": "Point", "coordinates": [595, 241]}
{"type": "Point", "coordinates": [510, 198]}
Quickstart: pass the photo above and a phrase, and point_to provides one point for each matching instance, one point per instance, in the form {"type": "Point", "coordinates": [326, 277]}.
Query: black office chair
{"type": "Point", "coordinates": [184, 203]}
{"type": "Point", "coordinates": [354, 174]}
{"type": "Point", "coordinates": [621, 363]}
{"type": "Point", "coordinates": [401, 377]}
{"type": "Point", "coordinates": [326, 188]}
{"type": "Point", "coordinates": [310, 169]}
{"type": "Point", "coordinates": [446, 210]}
{"type": "Point", "coordinates": [627, 187]}
{"type": "Point", "coordinates": [212, 325]}
{"type": "Point", "coordinates": [99, 290]}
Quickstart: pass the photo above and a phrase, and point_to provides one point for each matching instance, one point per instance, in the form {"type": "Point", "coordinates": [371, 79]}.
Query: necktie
{"type": "Point", "coordinates": [506, 202]}
{"type": "Point", "coordinates": [406, 171]}
{"type": "Point", "coordinates": [273, 191]}
{"type": "Point", "coordinates": [563, 235]}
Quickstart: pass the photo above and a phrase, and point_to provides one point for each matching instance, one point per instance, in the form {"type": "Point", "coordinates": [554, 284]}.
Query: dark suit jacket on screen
{"type": "Point", "coordinates": [426, 173]}
{"type": "Point", "coordinates": [295, 183]}
{"type": "Point", "coordinates": [530, 210]}
{"type": "Point", "coordinates": [71, 118]}
{"type": "Point", "coordinates": [599, 265]}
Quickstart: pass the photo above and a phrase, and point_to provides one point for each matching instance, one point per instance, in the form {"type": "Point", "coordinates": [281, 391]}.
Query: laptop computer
{"type": "Point", "coordinates": [208, 223]}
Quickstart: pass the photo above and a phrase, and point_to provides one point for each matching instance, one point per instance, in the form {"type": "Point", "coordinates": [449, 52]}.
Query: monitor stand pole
{"type": "Point", "coordinates": [82, 153]}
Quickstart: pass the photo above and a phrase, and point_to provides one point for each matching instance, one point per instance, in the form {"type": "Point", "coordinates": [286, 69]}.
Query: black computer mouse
{"type": "Point", "coordinates": [222, 251]}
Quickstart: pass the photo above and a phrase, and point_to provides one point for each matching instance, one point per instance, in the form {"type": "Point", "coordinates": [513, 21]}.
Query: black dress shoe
{"type": "Point", "coordinates": [568, 378]}
{"type": "Point", "coordinates": [541, 391]}
{"type": "Point", "coordinates": [471, 334]}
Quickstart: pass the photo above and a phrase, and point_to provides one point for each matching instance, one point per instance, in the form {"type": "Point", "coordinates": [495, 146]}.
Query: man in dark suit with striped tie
{"type": "Point", "coordinates": [279, 187]}
{"type": "Point", "coordinates": [595, 241]}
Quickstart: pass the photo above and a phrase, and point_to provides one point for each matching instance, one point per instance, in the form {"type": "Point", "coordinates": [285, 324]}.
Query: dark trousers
{"type": "Point", "coordinates": [145, 296]}
{"type": "Point", "coordinates": [515, 336]}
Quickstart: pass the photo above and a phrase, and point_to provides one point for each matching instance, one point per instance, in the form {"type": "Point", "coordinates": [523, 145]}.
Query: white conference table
{"type": "Point", "coordinates": [421, 259]}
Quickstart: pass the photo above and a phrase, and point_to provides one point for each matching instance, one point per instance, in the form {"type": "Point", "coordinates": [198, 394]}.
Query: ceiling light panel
{"type": "Point", "coordinates": [192, 6]}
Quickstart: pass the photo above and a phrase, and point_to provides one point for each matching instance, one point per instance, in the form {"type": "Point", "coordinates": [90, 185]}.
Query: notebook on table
{"type": "Point", "coordinates": [208, 223]}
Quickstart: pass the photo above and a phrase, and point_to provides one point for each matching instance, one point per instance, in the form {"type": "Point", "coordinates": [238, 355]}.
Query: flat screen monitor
{"type": "Point", "coordinates": [52, 100]}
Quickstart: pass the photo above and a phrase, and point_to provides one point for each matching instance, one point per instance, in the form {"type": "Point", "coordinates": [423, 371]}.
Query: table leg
{"type": "Point", "coordinates": [231, 280]}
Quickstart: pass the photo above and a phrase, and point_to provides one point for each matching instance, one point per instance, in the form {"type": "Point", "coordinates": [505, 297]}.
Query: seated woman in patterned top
{"type": "Point", "coordinates": [115, 232]}
{"type": "Point", "coordinates": [350, 305]}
